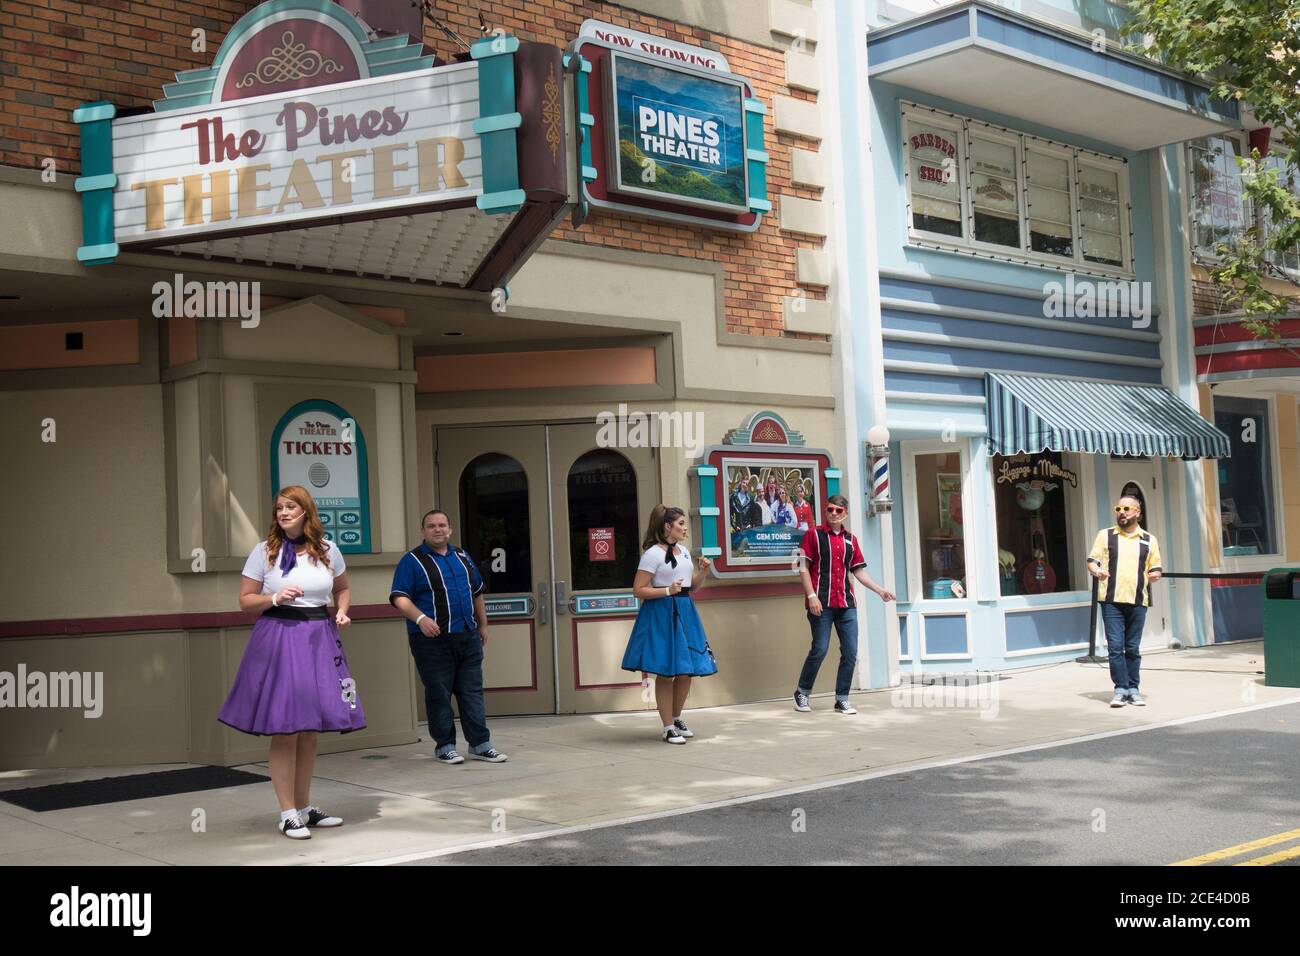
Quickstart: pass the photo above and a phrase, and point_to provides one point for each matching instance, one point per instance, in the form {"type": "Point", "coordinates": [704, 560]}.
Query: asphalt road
{"type": "Point", "coordinates": [1154, 797]}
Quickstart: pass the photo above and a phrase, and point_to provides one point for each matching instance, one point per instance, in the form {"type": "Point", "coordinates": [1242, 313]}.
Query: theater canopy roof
{"type": "Point", "coordinates": [991, 58]}
{"type": "Point", "coordinates": [311, 144]}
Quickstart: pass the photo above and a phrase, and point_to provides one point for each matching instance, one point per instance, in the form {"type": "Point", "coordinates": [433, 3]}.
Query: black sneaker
{"type": "Point", "coordinates": [317, 817]}
{"type": "Point", "coordinates": [801, 702]}
{"type": "Point", "coordinates": [844, 707]}
{"type": "Point", "coordinates": [491, 756]}
{"type": "Point", "coordinates": [295, 828]}
{"type": "Point", "coordinates": [681, 727]}
{"type": "Point", "coordinates": [450, 757]}
{"type": "Point", "coordinates": [671, 736]}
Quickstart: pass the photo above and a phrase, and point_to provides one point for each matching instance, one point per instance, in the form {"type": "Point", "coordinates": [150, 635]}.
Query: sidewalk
{"type": "Point", "coordinates": [574, 770]}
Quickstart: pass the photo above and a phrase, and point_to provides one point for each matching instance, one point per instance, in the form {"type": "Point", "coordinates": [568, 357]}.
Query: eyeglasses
{"type": "Point", "coordinates": [1120, 509]}
{"type": "Point", "coordinates": [835, 510]}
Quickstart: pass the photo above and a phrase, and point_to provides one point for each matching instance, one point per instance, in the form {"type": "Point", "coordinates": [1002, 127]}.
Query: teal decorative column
{"type": "Point", "coordinates": [708, 511]}
{"type": "Point", "coordinates": [96, 183]}
{"type": "Point", "coordinates": [756, 157]}
{"type": "Point", "coordinates": [497, 122]}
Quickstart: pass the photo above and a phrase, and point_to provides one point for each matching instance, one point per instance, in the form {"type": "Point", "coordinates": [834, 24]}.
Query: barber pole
{"type": "Point", "coordinates": [880, 483]}
{"type": "Point", "coordinates": [878, 456]}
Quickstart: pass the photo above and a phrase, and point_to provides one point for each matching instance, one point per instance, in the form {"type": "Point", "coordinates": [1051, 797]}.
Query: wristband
{"type": "Point", "coordinates": [275, 599]}
{"type": "Point", "coordinates": [810, 596]}
{"type": "Point", "coordinates": [419, 619]}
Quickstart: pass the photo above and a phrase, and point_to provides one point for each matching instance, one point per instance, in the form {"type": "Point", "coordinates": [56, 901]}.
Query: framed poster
{"type": "Point", "coordinates": [677, 135]}
{"type": "Point", "coordinates": [768, 506]}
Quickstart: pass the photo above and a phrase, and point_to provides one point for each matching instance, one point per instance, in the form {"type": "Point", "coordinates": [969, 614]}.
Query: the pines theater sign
{"type": "Point", "coordinates": [309, 143]}
{"type": "Point", "coordinates": [671, 132]}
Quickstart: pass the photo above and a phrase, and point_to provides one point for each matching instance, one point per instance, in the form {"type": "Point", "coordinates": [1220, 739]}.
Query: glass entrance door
{"type": "Point", "coordinates": [554, 522]}
{"type": "Point", "coordinates": [493, 483]}
{"type": "Point", "coordinates": [1136, 477]}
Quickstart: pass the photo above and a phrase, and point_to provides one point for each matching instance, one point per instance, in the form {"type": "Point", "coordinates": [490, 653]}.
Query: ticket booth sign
{"type": "Point", "coordinates": [318, 445]}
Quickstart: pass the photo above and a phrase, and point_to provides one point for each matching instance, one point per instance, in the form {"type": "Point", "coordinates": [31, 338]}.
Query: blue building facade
{"type": "Point", "coordinates": [1021, 328]}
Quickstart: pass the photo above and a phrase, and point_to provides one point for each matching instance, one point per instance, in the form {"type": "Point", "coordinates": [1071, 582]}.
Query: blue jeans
{"type": "Point", "coordinates": [452, 664]}
{"type": "Point", "coordinates": [846, 626]}
{"type": "Point", "coordinates": [1123, 623]}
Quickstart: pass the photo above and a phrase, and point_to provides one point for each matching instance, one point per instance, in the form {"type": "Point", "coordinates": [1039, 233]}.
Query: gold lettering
{"type": "Point", "coordinates": [303, 187]}
{"type": "Point", "coordinates": [341, 186]}
{"type": "Point", "coordinates": [384, 170]}
{"type": "Point", "coordinates": [153, 200]}
{"type": "Point", "coordinates": [249, 187]}
{"type": "Point", "coordinates": [219, 195]}
{"type": "Point", "coordinates": [432, 172]}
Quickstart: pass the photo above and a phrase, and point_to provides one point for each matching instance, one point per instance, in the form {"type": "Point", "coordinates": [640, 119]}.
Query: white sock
{"type": "Point", "coordinates": [669, 727]}
{"type": "Point", "coordinates": [287, 815]}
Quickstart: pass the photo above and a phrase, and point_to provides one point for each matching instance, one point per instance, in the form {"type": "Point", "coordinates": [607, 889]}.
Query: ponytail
{"type": "Point", "coordinates": [654, 532]}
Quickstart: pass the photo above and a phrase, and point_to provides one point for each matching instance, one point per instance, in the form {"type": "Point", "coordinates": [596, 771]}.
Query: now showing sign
{"type": "Point", "coordinates": [678, 135]}
{"type": "Point", "coordinates": [288, 159]}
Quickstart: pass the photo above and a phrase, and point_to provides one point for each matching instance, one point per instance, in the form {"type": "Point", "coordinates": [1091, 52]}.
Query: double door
{"type": "Point", "coordinates": [554, 523]}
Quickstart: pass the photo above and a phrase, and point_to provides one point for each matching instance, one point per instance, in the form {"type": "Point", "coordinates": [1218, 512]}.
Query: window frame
{"type": "Point", "coordinates": [948, 123]}
{"type": "Point", "coordinates": [911, 524]}
{"type": "Point", "coordinates": [1247, 210]}
{"type": "Point", "coordinates": [1277, 513]}
{"type": "Point", "coordinates": [992, 134]}
{"type": "Point", "coordinates": [961, 126]}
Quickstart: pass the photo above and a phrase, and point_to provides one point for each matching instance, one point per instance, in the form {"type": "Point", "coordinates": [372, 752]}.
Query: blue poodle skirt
{"type": "Point", "coordinates": [668, 640]}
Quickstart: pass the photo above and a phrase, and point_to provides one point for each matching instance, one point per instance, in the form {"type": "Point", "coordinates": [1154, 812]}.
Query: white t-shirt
{"type": "Point", "coordinates": [316, 580]}
{"type": "Point", "coordinates": [661, 572]}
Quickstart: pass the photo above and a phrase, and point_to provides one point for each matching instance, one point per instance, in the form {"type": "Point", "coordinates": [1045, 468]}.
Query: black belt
{"type": "Point", "coordinates": [684, 592]}
{"type": "Point", "coordinates": [289, 613]}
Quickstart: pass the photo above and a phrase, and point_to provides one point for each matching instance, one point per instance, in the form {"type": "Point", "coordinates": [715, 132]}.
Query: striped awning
{"type": "Point", "coordinates": [1030, 413]}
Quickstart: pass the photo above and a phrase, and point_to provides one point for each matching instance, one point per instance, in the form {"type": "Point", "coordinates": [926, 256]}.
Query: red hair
{"type": "Point", "coordinates": [317, 549]}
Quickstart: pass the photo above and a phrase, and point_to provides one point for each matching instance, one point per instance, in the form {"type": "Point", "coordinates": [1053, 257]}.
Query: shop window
{"type": "Point", "coordinates": [941, 525]}
{"type": "Point", "coordinates": [1099, 200]}
{"type": "Point", "coordinates": [1035, 497]}
{"type": "Point", "coordinates": [975, 185]}
{"type": "Point", "coordinates": [1051, 214]}
{"type": "Point", "coordinates": [1246, 479]}
{"type": "Point", "coordinates": [1287, 178]}
{"type": "Point", "coordinates": [1219, 208]}
{"type": "Point", "coordinates": [934, 174]}
{"type": "Point", "coordinates": [995, 192]}
{"type": "Point", "coordinates": [602, 496]}
{"type": "Point", "coordinates": [494, 510]}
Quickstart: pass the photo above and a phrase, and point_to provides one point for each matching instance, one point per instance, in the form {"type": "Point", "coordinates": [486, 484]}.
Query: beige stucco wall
{"type": "Point", "coordinates": [85, 514]}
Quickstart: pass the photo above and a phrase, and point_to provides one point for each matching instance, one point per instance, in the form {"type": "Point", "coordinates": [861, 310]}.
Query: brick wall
{"type": "Point", "coordinates": [56, 55]}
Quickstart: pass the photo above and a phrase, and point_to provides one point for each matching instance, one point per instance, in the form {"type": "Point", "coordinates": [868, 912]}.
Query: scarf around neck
{"type": "Point", "coordinates": [289, 557]}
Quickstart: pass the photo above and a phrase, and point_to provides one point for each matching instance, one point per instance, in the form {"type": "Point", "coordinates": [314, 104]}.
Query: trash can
{"type": "Point", "coordinates": [1282, 627]}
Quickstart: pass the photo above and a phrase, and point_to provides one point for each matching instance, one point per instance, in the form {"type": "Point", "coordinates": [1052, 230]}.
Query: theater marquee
{"type": "Point", "coordinates": [309, 143]}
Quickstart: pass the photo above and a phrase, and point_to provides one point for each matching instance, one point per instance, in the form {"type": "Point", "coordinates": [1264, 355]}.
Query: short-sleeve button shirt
{"type": "Point", "coordinates": [443, 586]}
{"type": "Point", "coordinates": [832, 558]}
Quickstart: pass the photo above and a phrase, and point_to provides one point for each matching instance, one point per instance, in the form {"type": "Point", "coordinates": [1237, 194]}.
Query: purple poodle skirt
{"type": "Point", "coordinates": [293, 679]}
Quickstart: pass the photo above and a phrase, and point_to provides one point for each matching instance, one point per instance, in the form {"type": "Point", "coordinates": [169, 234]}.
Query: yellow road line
{"type": "Point", "coordinates": [1272, 858]}
{"type": "Point", "coordinates": [1239, 849]}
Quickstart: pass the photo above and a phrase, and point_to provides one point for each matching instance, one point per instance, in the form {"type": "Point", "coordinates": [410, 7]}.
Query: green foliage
{"type": "Point", "coordinates": [1250, 51]}
{"type": "Point", "coordinates": [679, 180]}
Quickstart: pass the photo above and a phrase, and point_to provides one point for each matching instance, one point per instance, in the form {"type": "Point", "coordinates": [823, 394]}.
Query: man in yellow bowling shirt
{"type": "Point", "coordinates": [1126, 560]}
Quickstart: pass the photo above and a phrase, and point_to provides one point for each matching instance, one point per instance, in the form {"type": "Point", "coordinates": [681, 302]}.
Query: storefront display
{"type": "Point", "coordinates": [1034, 533]}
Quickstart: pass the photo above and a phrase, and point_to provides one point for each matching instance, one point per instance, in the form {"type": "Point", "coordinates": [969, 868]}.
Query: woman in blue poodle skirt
{"type": "Point", "coordinates": [668, 639]}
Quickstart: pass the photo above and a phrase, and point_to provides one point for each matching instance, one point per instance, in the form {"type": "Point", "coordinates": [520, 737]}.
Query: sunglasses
{"type": "Point", "coordinates": [835, 510]}
{"type": "Point", "coordinates": [1120, 509]}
